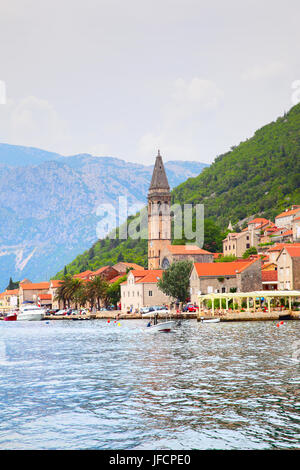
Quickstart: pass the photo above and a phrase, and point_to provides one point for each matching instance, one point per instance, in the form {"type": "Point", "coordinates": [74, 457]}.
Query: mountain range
{"type": "Point", "coordinates": [48, 204]}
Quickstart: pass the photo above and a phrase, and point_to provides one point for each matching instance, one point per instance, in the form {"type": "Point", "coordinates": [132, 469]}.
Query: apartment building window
{"type": "Point", "coordinates": [247, 238]}
{"type": "Point", "coordinates": [247, 245]}
{"type": "Point", "coordinates": [223, 290]}
{"type": "Point", "coordinates": [150, 293]}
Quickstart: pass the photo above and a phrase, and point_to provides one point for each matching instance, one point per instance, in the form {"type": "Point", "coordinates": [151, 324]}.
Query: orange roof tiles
{"type": "Point", "coordinates": [269, 276]}
{"type": "Point", "coordinates": [152, 276]}
{"type": "Point", "coordinates": [288, 213]}
{"type": "Point", "coordinates": [187, 250]}
{"type": "Point", "coordinates": [55, 283]}
{"type": "Point", "coordinates": [45, 297]}
{"type": "Point", "coordinates": [259, 220]}
{"type": "Point", "coordinates": [293, 251]}
{"type": "Point", "coordinates": [83, 274]}
{"type": "Point", "coordinates": [12, 292]}
{"type": "Point", "coordinates": [279, 246]}
{"type": "Point", "coordinates": [115, 279]}
{"type": "Point", "coordinates": [288, 232]}
{"type": "Point", "coordinates": [36, 286]}
{"type": "Point", "coordinates": [222, 269]}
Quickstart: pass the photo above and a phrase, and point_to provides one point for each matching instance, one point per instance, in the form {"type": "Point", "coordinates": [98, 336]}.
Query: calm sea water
{"type": "Point", "coordinates": [94, 385]}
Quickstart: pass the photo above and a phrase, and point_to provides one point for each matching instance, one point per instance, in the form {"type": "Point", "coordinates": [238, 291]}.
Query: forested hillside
{"type": "Point", "coordinates": [259, 176]}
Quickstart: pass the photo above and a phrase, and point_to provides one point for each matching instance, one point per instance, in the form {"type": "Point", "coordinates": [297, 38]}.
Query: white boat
{"type": "Point", "coordinates": [31, 312]}
{"type": "Point", "coordinates": [163, 326]}
{"type": "Point", "coordinates": [210, 320]}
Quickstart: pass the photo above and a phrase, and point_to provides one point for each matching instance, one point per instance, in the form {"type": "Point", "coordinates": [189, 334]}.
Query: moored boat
{"type": "Point", "coordinates": [11, 316]}
{"type": "Point", "coordinates": [209, 320]}
{"type": "Point", "coordinates": [31, 313]}
{"type": "Point", "coordinates": [163, 326]}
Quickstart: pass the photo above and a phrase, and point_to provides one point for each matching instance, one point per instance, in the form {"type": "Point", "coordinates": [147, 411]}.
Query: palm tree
{"type": "Point", "coordinates": [96, 289]}
{"type": "Point", "coordinates": [68, 290]}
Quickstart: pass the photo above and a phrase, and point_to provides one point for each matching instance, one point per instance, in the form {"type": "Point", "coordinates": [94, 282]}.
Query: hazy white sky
{"type": "Point", "coordinates": [124, 78]}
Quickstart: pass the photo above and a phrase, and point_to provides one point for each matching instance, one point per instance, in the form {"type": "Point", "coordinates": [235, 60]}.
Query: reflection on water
{"type": "Point", "coordinates": [94, 385]}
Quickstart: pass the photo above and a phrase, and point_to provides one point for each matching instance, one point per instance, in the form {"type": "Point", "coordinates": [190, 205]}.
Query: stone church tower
{"type": "Point", "coordinates": [159, 217]}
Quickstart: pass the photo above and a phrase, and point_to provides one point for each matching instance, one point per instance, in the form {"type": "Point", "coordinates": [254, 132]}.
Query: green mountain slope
{"type": "Point", "coordinates": [260, 176]}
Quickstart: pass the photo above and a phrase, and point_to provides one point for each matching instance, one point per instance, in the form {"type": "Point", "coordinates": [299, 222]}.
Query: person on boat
{"type": "Point", "coordinates": [149, 324]}
{"type": "Point", "coordinates": [155, 318]}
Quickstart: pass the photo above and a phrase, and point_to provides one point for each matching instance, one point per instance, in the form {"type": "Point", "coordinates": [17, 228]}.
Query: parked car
{"type": "Point", "coordinates": [190, 308]}
{"type": "Point", "coordinates": [61, 312]}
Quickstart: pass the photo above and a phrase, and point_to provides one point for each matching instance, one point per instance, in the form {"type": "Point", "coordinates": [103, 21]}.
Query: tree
{"type": "Point", "coordinates": [65, 271]}
{"type": "Point", "coordinates": [12, 285]}
{"type": "Point", "coordinates": [114, 291]}
{"type": "Point", "coordinates": [96, 290]}
{"type": "Point", "coordinates": [175, 280]}
{"type": "Point", "coordinates": [250, 251]}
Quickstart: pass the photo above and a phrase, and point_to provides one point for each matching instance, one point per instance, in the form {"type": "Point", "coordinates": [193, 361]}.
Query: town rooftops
{"type": "Point", "coordinates": [36, 286]}
{"type": "Point", "coordinates": [127, 265]}
{"type": "Point", "coordinates": [259, 220]}
{"type": "Point", "coordinates": [152, 276]}
{"type": "Point", "coordinates": [222, 269]}
{"type": "Point", "coordinates": [288, 213]}
{"type": "Point", "coordinates": [11, 292]}
{"type": "Point", "coordinates": [293, 251]}
{"type": "Point", "coordinates": [55, 283]}
{"type": "Point", "coordinates": [187, 250]}
{"type": "Point", "coordinates": [83, 274]}
{"type": "Point", "coordinates": [45, 297]}
{"type": "Point", "coordinates": [279, 246]}
{"type": "Point", "coordinates": [269, 276]}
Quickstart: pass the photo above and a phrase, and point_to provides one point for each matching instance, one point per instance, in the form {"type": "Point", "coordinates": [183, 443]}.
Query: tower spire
{"type": "Point", "coordinates": [159, 178]}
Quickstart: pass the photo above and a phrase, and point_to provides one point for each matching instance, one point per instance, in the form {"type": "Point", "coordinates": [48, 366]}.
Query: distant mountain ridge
{"type": "Point", "coordinates": [48, 204]}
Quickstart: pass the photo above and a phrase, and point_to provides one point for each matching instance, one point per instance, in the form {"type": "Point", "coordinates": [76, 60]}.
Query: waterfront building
{"type": "Point", "coordinates": [31, 292]}
{"type": "Point", "coordinates": [288, 267]}
{"type": "Point", "coordinates": [239, 276]}
{"type": "Point", "coordinates": [141, 290]}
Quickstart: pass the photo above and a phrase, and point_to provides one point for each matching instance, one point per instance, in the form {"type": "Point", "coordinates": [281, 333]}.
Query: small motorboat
{"type": "Point", "coordinates": [165, 326]}
{"type": "Point", "coordinates": [209, 320]}
{"type": "Point", "coordinates": [11, 316]}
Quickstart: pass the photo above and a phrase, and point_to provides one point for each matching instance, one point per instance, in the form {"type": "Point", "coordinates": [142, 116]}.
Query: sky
{"type": "Point", "coordinates": [124, 78]}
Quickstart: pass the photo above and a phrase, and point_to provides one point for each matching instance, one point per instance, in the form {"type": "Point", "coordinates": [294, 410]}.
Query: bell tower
{"type": "Point", "coordinates": [159, 217]}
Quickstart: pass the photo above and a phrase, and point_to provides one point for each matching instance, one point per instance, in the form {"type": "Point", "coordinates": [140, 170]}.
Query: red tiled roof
{"type": "Point", "coordinates": [102, 270]}
{"type": "Point", "coordinates": [293, 251]}
{"type": "Point", "coordinates": [216, 255]}
{"type": "Point", "coordinates": [36, 286]}
{"type": "Point", "coordinates": [267, 276]}
{"type": "Point", "coordinates": [279, 246]}
{"type": "Point", "coordinates": [187, 250]}
{"type": "Point", "coordinates": [45, 297]}
{"type": "Point", "coordinates": [12, 292]}
{"type": "Point", "coordinates": [115, 279]}
{"type": "Point", "coordinates": [296, 218]}
{"type": "Point", "coordinates": [55, 283]}
{"type": "Point", "coordinates": [130, 265]}
{"type": "Point", "coordinates": [288, 213]}
{"type": "Point", "coordinates": [152, 276]}
{"type": "Point", "coordinates": [288, 232]}
{"type": "Point", "coordinates": [258, 220]}
{"type": "Point", "coordinates": [83, 274]}
{"type": "Point", "coordinates": [222, 269]}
